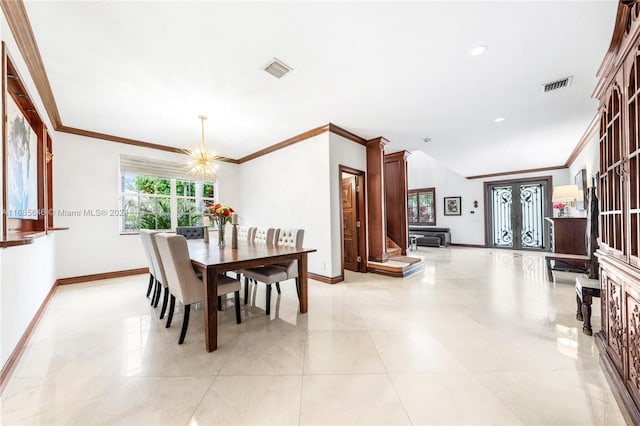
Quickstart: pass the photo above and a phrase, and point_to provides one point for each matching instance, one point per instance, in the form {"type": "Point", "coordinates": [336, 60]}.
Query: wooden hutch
{"type": "Point", "coordinates": [618, 91]}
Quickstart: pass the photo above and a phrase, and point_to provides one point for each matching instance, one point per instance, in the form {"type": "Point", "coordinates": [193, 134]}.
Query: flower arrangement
{"type": "Point", "coordinates": [220, 215]}
{"type": "Point", "coordinates": [562, 209]}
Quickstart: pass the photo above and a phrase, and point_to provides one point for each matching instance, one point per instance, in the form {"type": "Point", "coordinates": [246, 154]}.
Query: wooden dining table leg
{"type": "Point", "coordinates": [210, 282]}
{"type": "Point", "coordinates": [302, 275]}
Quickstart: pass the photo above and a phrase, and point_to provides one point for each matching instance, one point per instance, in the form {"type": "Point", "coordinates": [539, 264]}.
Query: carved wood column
{"type": "Point", "coordinates": [376, 216]}
{"type": "Point", "coordinates": [396, 188]}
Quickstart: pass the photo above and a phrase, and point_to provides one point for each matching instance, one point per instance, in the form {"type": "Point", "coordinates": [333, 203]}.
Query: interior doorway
{"type": "Point", "coordinates": [353, 219]}
{"type": "Point", "coordinates": [515, 213]}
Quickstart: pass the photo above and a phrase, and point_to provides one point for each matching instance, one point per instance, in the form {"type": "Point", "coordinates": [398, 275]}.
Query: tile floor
{"type": "Point", "coordinates": [480, 337]}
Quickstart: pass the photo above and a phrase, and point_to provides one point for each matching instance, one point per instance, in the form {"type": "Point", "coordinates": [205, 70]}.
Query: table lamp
{"type": "Point", "coordinates": [566, 196]}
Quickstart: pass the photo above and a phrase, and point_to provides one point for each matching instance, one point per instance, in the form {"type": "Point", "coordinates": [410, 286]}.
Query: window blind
{"type": "Point", "coordinates": [151, 167]}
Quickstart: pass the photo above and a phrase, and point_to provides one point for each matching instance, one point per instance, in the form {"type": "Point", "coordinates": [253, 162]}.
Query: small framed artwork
{"type": "Point", "coordinates": [452, 206]}
{"type": "Point", "coordinates": [580, 179]}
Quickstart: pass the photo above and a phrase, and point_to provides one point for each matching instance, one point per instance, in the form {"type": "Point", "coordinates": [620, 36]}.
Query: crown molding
{"type": "Point", "coordinates": [330, 127]}
{"type": "Point", "coordinates": [584, 140]}
{"type": "Point", "coordinates": [112, 138]}
{"type": "Point", "coordinates": [285, 143]}
{"type": "Point", "coordinates": [20, 27]}
{"type": "Point", "coordinates": [516, 172]}
{"type": "Point", "coordinates": [347, 134]}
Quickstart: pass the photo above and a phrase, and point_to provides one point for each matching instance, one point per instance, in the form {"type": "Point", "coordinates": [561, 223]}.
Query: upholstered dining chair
{"type": "Point", "coordinates": [290, 238]}
{"type": "Point", "coordinates": [261, 236]}
{"type": "Point", "coordinates": [274, 274]}
{"type": "Point", "coordinates": [191, 232]}
{"type": "Point", "coordinates": [146, 246]}
{"type": "Point", "coordinates": [161, 277]}
{"type": "Point", "coordinates": [183, 282]}
{"type": "Point", "coordinates": [158, 273]}
{"type": "Point", "coordinates": [246, 233]}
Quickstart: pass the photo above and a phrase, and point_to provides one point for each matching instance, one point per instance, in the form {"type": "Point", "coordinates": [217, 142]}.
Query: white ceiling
{"type": "Point", "coordinates": [402, 70]}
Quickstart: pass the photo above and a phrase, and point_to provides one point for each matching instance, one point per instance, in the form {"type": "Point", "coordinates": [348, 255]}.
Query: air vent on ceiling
{"type": "Point", "coordinates": [277, 68]}
{"type": "Point", "coordinates": [558, 84]}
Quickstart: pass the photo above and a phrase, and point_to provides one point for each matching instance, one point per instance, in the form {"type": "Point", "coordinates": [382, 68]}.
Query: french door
{"type": "Point", "coordinates": [516, 212]}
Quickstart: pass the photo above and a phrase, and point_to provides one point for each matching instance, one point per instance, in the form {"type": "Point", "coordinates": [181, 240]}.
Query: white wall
{"type": "Point", "coordinates": [296, 187]}
{"type": "Point", "coordinates": [86, 178]}
{"type": "Point", "coordinates": [342, 152]}
{"type": "Point", "coordinates": [589, 158]}
{"type": "Point", "coordinates": [28, 273]}
{"type": "Point", "coordinates": [424, 172]}
{"type": "Point", "coordinates": [289, 188]}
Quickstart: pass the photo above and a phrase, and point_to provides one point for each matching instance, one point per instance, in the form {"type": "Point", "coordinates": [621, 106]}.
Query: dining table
{"type": "Point", "coordinates": [211, 260]}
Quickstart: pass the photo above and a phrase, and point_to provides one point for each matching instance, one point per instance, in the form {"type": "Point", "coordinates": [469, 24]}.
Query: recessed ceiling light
{"type": "Point", "coordinates": [498, 120]}
{"type": "Point", "coordinates": [478, 50]}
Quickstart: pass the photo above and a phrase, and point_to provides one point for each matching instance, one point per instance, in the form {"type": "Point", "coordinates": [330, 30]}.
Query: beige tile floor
{"type": "Point", "coordinates": [480, 337]}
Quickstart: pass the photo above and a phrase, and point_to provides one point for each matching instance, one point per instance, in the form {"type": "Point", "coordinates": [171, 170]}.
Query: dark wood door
{"type": "Point", "coordinates": [350, 221]}
{"type": "Point", "coordinates": [515, 213]}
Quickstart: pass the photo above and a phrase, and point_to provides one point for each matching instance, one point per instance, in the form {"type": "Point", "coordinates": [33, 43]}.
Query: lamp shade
{"type": "Point", "coordinates": [567, 193]}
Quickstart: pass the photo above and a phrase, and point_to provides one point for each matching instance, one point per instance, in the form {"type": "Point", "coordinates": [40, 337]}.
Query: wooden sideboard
{"type": "Point", "coordinates": [568, 235]}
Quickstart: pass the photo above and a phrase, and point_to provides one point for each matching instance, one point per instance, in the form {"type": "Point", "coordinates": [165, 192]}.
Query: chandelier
{"type": "Point", "coordinates": [202, 163]}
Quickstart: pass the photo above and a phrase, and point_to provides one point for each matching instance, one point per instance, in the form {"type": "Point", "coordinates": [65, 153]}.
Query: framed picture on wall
{"type": "Point", "coordinates": [452, 206]}
{"type": "Point", "coordinates": [580, 179]}
{"type": "Point", "coordinates": [26, 169]}
{"type": "Point", "coordinates": [22, 165]}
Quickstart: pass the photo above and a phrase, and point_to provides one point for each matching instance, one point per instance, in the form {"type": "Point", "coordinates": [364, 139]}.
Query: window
{"type": "Point", "coordinates": [421, 206]}
{"type": "Point", "coordinates": [157, 202]}
{"type": "Point", "coordinates": [191, 199]}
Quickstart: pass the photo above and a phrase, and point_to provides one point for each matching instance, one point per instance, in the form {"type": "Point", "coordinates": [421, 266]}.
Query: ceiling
{"type": "Point", "coordinates": [402, 70]}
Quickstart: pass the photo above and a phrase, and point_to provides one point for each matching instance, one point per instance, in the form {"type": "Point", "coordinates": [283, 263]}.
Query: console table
{"type": "Point", "coordinates": [568, 246]}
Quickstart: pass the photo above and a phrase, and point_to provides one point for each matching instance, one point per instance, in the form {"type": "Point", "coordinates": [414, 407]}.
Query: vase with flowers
{"type": "Point", "coordinates": [562, 209]}
{"type": "Point", "coordinates": [220, 215]}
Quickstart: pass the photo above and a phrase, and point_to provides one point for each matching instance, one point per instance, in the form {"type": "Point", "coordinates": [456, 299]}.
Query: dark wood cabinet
{"type": "Point", "coordinates": [618, 91]}
{"type": "Point", "coordinates": [568, 235]}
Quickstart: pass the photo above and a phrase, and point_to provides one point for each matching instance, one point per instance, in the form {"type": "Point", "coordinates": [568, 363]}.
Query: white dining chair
{"type": "Point", "coordinates": [274, 274]}
{"type": "Point", "coordinates": [246, 233]}
{"type": "Point", "coordinates": [183, 282]}
{"type": "Point", "coordinates": [290, 238]}
{"type": "Point", "coordinates": [261, 236]}
{"type": "Point", "coordinates": [154, 261]}
{"type": "Point", "coordinates": [146, 246]}
{"type": "Point", "coordinates": [161, 277]}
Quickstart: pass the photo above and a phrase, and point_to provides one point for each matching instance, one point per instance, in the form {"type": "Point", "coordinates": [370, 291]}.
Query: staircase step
{"type": "Point", "coordinates": [395, 270]}
{"type": "Point", "coordinates": [393, 249]}
{"type": "Point", "coordinates": [393, 252]}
